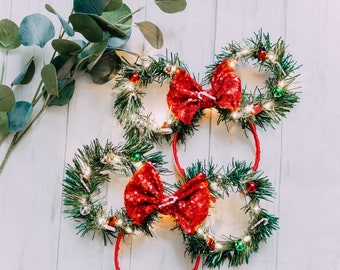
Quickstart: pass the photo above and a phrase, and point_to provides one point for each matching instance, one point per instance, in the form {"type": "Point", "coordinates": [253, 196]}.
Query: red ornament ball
{"type": "Point", "coordinates": [262, 55]}
{"type": "Point", "coordinates": [134, 78]}
{"type": "Point", "coordinates": [111, 221]}
{"type": "Point", "coordinates": [251, 187]}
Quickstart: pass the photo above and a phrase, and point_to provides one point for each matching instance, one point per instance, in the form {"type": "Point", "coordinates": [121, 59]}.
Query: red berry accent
{"type": "Point", "coordinates": [134, 78]}
{"type": "Point", "coordinates": [211, 242]}
{"type": "Point", "coordinates": [262, 55]}
{"type": "Point", "coordinates": [251, 187]}
{"type": "Point", "coordinates": [111, 221]}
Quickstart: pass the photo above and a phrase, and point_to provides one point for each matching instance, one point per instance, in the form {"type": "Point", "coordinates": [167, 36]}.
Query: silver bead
{"type": "Point", "coordinates": [85, 210]}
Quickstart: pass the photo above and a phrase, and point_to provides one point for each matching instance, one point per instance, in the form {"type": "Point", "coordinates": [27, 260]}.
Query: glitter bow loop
{"type": "Point", "coordinates": [186, 96]}
{"type": "Point", "coordinates": [189, 205]}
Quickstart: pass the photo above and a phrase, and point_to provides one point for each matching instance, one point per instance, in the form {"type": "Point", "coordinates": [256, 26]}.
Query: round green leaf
{"type": "Point", "coordinates": [63, 65]}
{"type": "Point", "coordinates": [36, 29]}
{"type": "Point", "coordinates": [97, 50]}
{"type": "Point", "coordinates": [3, 125]}
{"type": "Point", "coordinates": [67, 28]}
{"type": "Point", "coordinates": [116, 42]}
{"type": "Point", "coordinates": [9, 38]}
{"type": "Point", "coordinates": [113, 5]}
{"type": "Point", "coordinates": [90, 6]}
{"type": "Point", "coordinates": [7, 99]}
{"type": "Point", "coordinates": [49, 8]}
{"type": "Point", "coordinates": [65, 93]}
{"type": "Point", "coordinates": [64, 46]}
{"type": "Point", "coordinates": [116, 22]}
{"type": "Point", "coordinates": [151, 33]}
{"type": "Point", "coordinates": [19, 116]}
{"type": "Point", "coordinates": [106, 68]}
{"type": "Point", "coordinates": [171, 6]}
{"type": "Point", "coordinates": [26, 74]}
{"type": "Point", "coordinates": [49, 77]}
{"type": "Point", "coordinates": [121, 17]}
{"type": "Point", "coordinates": [87, 26]}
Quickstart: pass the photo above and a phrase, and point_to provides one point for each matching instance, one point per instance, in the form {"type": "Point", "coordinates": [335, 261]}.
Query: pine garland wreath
{"type": "Point", "coordinates": [237, 177]}
{"type": "Point", "coordinates": [268, 105]}
{"type": "Point", "coordinates": [85, 177]}
{"type": "Point", "coordinates": [132, 82]}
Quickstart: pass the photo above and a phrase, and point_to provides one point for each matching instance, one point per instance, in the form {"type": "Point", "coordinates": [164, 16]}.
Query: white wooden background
{"type": "Point", "coordinates": [301, 157]}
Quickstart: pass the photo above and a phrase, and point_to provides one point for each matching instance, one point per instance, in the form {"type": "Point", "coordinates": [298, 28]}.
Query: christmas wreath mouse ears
{"type": "Point", "coordinates": [84, 179]}
{"type": "Point", "coordinates": [128, 106]}
{"type": "Point", "coordinates": [241, 178]}
{"type": "Point", "coordinates": [264, 106]}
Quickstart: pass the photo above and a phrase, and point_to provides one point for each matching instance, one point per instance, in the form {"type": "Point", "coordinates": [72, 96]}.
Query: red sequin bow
{"type": "Point", "coordinates": [189, 205]}
{"type": "Point", "coordinates": [186, 96]}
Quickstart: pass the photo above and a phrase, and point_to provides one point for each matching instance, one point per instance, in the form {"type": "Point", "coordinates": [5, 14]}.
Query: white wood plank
{"type": "Point", "coordinates": [309, 237]}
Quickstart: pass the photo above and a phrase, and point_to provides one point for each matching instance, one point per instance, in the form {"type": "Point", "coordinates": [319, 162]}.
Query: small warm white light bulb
{"type": "Point", "coordinates": [85, 169]}
{"type": "Point", "coordinates": [249, 108]}
{"type": "Point", "coordinates": [233, 63]}
{"type": "Point", "coordinates": [102, 220]}
{"type": "Point", "coordinates": [271, 57]}
{"type": "Point", "coordinates": [169, 121]}
{"type": "Point", "coordinates": [247, 238]}
{"type": "Point", "coordinates": [117, 159]}
{"type": "Point", "coordinates": [256, 209]}
{"type": "Point", "coordinates": [169, 68]}
{"type": "Point", "coordinates": [128, 230]}
{"type": "Point", "coordinates": [146, 64]}
{"type": "Point", "coordinates": [281, 84]}
{"type": "Point", "coordinates": [200, 231]}
{"type": "Point", "coordinates": [269, 105]}
{"type": "Point", "coordinates": [129, 86]}
{"type": "Point", "coordinates": [119, 222]}
{"type": "Point", "coordinates": [236, 115]}
{"type": "Point", "coordinates": [138, 164]}
{"type": "Point", "coordinates": [218, 246]}
{"type": "Point", "coordinates": [244, 51]}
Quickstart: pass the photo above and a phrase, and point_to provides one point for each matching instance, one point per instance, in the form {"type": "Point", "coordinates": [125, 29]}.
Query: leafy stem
{"type": "Point", "coordinates": [3, 68]}
{"type": "Point", "coordinates": [37, 96]}
{"type": "Point", "coordinates": [9, 150]}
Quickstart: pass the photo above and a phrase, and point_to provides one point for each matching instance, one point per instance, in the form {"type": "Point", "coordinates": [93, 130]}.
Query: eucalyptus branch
{"type": "Point", "coordinates": [37, 96]}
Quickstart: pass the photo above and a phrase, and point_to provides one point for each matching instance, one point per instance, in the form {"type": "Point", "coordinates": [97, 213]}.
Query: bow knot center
{"type": "Point", "coordinates": [207, 100]}
{"type": "Point", "coordinates": [168, 201]}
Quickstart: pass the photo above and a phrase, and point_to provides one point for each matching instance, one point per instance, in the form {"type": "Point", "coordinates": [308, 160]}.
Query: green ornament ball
{"type": "Point", "coordinates": [277, 92]}
{"type": "Point", "coordinates": [240, 245]}
{"type": "Point", "coordinates": [136, 157]}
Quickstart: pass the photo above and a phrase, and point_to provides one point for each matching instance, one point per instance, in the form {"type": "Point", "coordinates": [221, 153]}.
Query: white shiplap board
{"type": "Point", "coordinates": [300, 157]}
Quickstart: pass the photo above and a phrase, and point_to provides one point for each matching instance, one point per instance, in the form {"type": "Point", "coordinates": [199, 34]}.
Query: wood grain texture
{"type": "Point", "coordinates": [300, 156]}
